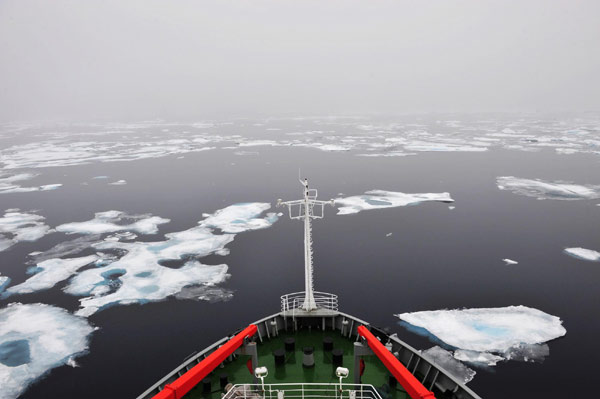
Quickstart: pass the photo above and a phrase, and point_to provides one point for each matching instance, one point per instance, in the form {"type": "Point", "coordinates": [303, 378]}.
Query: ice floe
{"type": "Point", "coordinates": [66, 248]}
{"type": "Point", "coordinates": [8, 184]}
{"type": "Point", "coordinates": [35, 338]}
{"type": "Point", "coordinates": [582, 253]}
{"type": "Point", "coordinates": [240, 217]}
{"type": "Point", "coordinates": [106, 222]}
{"type": "Point", "coordinates": [16, 226]}
{"type": "Point", "coordinates": [376, 199]}
{"type": "Point", "coordinates": [507, 331]}
{"type": "Point", "coordinates": [50, 272]}
{"type": "Point", "coordinates": [548, 190]}
{"type": "Point", "coordinates": [510, 261]}
{"type": "Point", "coordinates": [135, 272]}
{"type": "Point", "coordinates": [445, 359]}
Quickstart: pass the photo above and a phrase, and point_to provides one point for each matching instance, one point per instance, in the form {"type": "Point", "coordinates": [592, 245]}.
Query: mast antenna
{"type": "Point", "coordinates": [306, 209]}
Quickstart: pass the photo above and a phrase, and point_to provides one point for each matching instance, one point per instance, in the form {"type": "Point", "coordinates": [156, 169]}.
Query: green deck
{"type": "Point", "coordinates": [293, 372]}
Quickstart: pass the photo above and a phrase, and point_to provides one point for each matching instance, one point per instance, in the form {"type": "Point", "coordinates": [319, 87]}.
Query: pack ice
{"type": "Point", "coordinates": [376, 199]}
{"type": "Point", "coordinates": [35, 338]}
{"type": "Point", "coordinates": [541, 189]}
{"type": "Point", "coordinates": [481, 332]}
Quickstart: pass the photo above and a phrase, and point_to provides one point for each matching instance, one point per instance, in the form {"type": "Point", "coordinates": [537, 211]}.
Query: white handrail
{"type": "Point", "coordinates": [303, 391]}
{"type": "Point", "coordinates": [295, 300]}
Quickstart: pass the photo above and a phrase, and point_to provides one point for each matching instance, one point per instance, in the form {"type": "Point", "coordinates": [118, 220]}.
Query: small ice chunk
{"type": "Point", "coordinates": [48, 187]}
{"type": "Point", "coordinates": [488, 329]}
{"type": "Point", "coordinates": [328, 147]}
{"type": "Point", "coordinates": [106, 222]}
{"type": "Point", "coordinates": [258, 143]}
{"type": "Point", "coordinates": [582, 253]}
{"type": "Point", "coordinates": [388, 235]}
{"type": "Point", "coordinates": [446, 361]}
{"type": "Point", "coordinates": [548, 190]}
{"type": "Point", "coordinates": [71, 362]}
{"type": "Point", "coordinates": [118, 183]}
{"type": "Point", "coordinates": [376, 199]}
{"type": "Point", "coordinates": [527, 352]}
{"type": "Point", "coordinates": [35, 338]}
{"type": "Point", "coordinates": [510, 261]}
{"type": "Point", "coordinates": [483, 358]}
{"type": "Point", "coordinates": [100, 177]}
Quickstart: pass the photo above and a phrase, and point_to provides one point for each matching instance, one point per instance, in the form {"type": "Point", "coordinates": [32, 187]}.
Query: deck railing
{"type": "Point", "coordinates": [303, 391]}
{"type": "Point", "coordinates": [295, 300]}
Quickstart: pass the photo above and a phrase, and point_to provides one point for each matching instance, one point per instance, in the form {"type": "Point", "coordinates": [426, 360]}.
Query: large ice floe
{"type": "Point", "coordinates": [446, 360]}
{"type": "Point", "coordinates": [35, 338]}
{"type": "Point", "coordinates": [139, 275]}
{"type": "Point", "coordinates": [582, 253]}
{"type": "Point", "coordinates": [126, 271]}
{"type": "Point", "coordinates": [106, 222]}
{"type": "Point", "coordinates": [8, 184]}
{"type": "Point", "coordinates": [376, 199]}
{"type": "Point", "coordinates": [16, 226]}
{"type": "Point", "coordinates": [486, 335]}
{"type": "Point", "coordinates": [50, 272]}
{"type": "Point", "coordinates": [548, 190]}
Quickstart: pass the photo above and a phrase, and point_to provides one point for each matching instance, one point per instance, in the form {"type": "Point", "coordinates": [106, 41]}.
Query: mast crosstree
{"type": "Point", "coordinates": [306, 209]}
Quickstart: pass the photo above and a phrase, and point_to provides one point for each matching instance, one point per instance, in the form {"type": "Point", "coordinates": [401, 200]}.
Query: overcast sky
{"type": "Point", "coordinates": [218, 59]}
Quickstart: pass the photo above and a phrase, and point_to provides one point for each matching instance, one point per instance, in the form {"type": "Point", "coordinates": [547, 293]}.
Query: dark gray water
{"type": "Point", "coordinates": [436, 258]}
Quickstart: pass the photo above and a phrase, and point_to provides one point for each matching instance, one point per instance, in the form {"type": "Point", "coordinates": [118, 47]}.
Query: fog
{"type": "Point", "coordinates": [79, 60]}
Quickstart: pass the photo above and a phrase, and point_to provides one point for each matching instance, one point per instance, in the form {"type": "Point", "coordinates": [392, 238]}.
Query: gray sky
{"type": "Point", "coordinates": [218, 59]}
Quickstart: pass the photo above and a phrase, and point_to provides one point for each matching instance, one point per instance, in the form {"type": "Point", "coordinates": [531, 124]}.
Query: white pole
{"type": "Point", "coordinates": [309, 299]}
{"type": "Point", "coordinates": [306, 205]}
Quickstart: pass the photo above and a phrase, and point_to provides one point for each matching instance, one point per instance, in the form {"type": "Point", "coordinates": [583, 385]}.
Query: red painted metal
{"type": "Point", "coordinates": [178, 388]}
{"type": "Point", "coordinates": [409, 382]}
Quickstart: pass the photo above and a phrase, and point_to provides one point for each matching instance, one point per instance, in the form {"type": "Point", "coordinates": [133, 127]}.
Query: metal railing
{"type": "Point", "coordinates": [302, 391]}
{"type": "Point", "coordinates": [295, 300]}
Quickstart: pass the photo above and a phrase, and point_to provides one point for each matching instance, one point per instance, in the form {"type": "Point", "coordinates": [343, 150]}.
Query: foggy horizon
{"type": "Point", "coordinates": [185, 60]}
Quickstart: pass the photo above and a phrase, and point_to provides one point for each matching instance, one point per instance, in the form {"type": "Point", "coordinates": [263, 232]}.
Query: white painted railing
{"type": "Point", "coordinates": [302, 391]}
{"type": "Point", "coordinates": [295, 300]}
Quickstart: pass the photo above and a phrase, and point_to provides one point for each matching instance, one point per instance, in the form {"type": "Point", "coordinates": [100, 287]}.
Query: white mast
{"type": "Point", "coordinates": [306, 211]}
